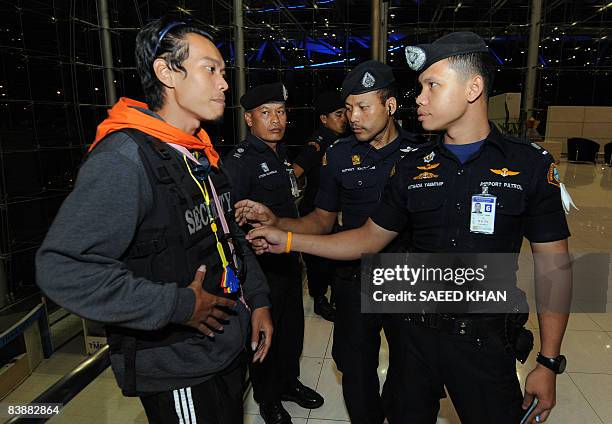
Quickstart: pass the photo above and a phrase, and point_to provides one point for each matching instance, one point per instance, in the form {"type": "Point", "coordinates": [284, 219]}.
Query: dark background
{"type": "Point", "coordinates": [52, 92]}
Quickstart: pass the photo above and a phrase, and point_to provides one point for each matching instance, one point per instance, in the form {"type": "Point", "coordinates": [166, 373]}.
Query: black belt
{"type": "Point", "coordinates": [461, 326]}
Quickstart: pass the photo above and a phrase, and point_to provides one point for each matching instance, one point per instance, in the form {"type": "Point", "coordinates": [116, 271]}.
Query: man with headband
{"type": "Point", "coordinates": [151, 208]}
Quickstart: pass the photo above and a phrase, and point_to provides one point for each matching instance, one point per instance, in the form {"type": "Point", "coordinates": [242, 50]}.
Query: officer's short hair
{"type": "Point", "coordinates": [387, 92]}
{"type": "Point", "coordinates": [477, 63]}
{"type": "Point", "coordinates": [164, 37]}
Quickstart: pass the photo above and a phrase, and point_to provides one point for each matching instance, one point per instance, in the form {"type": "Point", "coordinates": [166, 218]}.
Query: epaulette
{"type": "Point", "coordinates": [341, 141]}
{"type": "Point", "coordinates": [526, 142]}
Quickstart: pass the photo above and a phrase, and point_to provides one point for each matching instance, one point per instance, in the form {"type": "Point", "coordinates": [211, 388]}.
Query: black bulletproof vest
{"type": "Point", "coordinates": [172, 241]}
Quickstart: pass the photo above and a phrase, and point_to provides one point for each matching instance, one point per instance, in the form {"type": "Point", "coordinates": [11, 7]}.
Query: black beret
{"type": "Point", "coordinates": [367, 76]}
{"type": "Point", "coordinates": [422, 56]}
{"type": "Point", "coordinates": [328, 102]}
{"type": "Point", "coordinates": [265, 93]}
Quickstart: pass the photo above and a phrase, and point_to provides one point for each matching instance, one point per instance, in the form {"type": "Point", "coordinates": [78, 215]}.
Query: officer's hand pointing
{"type": "Point", "coordinates": [267, 239]}
{"type": "Point", "coordinates": [207, 317]}
{"type": "Point", "coordinates": [254, 213]}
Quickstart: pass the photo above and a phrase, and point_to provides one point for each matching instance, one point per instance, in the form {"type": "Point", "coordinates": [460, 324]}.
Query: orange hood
{"type": "Point", "coordinates": [124, 115]}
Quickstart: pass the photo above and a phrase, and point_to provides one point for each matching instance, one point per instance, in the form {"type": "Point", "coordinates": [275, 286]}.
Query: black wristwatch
{"type": "Point", "coordinates": [556, 365]}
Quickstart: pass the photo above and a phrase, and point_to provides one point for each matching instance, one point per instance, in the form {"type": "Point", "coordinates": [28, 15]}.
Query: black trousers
{"type": "Point", "coordinates": [480, 377]}
{"type": "Point", "coordinates": [320, 273]}
{"type": "Point", "coordinates": [216, 401]}
{"type": "Point", "coordinates": [355, 350]}
{"type": "Point", "coordinates": [282, 365]}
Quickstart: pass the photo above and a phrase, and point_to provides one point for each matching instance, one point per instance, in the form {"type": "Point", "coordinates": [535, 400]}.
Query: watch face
{"type": "Point", "coordinates": [562, 363]}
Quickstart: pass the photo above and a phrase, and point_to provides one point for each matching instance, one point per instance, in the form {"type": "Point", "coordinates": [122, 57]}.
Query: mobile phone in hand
{"type": "Point", "coordinates": [534, 403]}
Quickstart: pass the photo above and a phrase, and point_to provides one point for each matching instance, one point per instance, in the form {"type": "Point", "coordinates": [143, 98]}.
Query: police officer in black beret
{"type": "Point", "coordinates": [259, 169]}
{"type": "Point", "coordinates": [354, 173]}
{"type": "Point", "coordinates": [433, 195]}
{"type": "Point", "coordinates": [329, 107]}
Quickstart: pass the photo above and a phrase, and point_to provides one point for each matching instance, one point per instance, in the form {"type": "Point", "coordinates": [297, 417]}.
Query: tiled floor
{"type": "Point", "coordinates": [584, 392]}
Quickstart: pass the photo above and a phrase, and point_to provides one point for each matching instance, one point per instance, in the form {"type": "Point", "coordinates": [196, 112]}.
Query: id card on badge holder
{"type": "Point", "coordinates": [482, 217]}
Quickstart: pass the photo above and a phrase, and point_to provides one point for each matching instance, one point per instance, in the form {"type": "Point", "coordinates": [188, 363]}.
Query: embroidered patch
{"type": "Point", "coordinates": [504, 172]}
{"type": "Point", "coordinates": [553, 175]}
{"type": "Point", "coordinates": [415, 57]}
{"type": "Point", "coordinates": [428, 166]}
{"type": "Point", "coordinates": [368, 80]}
{"type": "Point", "coordinates": [425, 176]}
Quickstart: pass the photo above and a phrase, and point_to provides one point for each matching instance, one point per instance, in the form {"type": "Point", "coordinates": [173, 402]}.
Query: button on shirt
{"type": "Point", "coordinates": [354, 175]}
{"type": "Point", "coordinates": [260, 174]}
{"type": "Point", "coordinates": [431, 194]}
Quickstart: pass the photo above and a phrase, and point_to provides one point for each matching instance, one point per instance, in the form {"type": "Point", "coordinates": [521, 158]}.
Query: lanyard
{"type": "Point", "coordinates": [213, 224]}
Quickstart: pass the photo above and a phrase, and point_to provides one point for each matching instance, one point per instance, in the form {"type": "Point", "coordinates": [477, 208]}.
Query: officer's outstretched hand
{"type": "Point", "coordinates": [540, 383]}
{"type": "Point", "coordinates": [207, 315]}
{"type": "Point", "coordinates": [254, 213]}
{"type": "Point", "coordinates": [261, 338]}
{"type": "Point", "coordinates": [267, 240]}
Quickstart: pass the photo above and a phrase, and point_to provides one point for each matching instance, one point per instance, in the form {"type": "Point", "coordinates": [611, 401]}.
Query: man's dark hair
{"type": "Point", "coordinates": [173, 48]}
{"type": "Point", "coordinates": [387, 92]}
{"type": "Point", "coordinates": [470, 64]}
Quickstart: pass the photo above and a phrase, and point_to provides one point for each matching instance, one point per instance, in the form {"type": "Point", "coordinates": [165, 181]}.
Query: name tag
{"type": "Point", "coordinates": [482, 218]}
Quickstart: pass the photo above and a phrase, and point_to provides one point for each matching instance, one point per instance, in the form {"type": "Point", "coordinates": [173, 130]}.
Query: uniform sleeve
{"type": "Point", "coordinates": [310, 156]}
{"type": "Point", "coordinates": [78, 265]}
{"type": "Point", "coordinates": [545, 218]}
{"type": "Point", "coordinates": [239, 176]}
{"type": "Point", "coordinates": [328, 196]}
{"type": "Point", "coordinates": [391, 213]}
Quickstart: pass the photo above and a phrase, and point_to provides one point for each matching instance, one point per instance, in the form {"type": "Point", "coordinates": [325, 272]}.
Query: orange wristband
{"type": "Point", "coordinates": [288, 245]}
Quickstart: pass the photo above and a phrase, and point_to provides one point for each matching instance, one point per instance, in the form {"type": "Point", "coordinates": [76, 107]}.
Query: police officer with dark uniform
{"type": "Point", "coordinates": [432, 195]}
{"type": "Point", "coordinates": [259, 169]}
{"type": "Point", "coordinates": [354, 173]}
{"type": "Point", "coordinates": [331, 112]}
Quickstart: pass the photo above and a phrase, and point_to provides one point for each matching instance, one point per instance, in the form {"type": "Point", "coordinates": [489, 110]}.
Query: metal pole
{"type": "Point", "coordinates": [375, 12]}
{"type": "Point", "coordinates": [239, 70]}
{"type": "Point", "coordinates": [532, 62]}
{"type": "Point", "coordinates": [107, 52]}
{"type": "Point", "coordinates": [384, 31]}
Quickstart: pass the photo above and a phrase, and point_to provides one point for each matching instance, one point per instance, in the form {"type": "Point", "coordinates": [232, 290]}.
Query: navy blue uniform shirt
{"type": "Point", "coordinates": [431, 193]}
{"type": "Point", "coordinates": [309, 160]}
{"type": "Point", "coordinates": [354, 175]}
{"type": "Point", "coordinates": [260, 174]}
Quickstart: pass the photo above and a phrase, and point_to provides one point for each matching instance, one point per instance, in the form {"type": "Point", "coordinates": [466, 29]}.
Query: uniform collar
{"type": "Point", "coordinates": [327, 134]}
{"type": "Point", "coordinates": [261, 146]}
{"type": "Point", "coordinates": [495, 138]}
